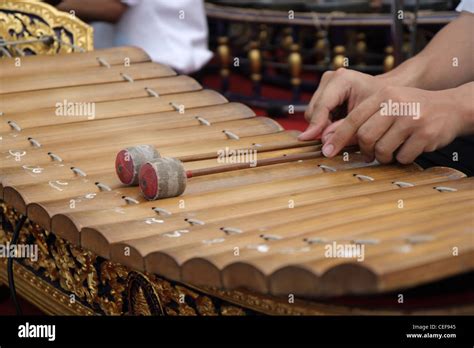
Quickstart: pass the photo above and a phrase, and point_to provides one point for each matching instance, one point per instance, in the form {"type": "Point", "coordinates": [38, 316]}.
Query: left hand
{"type": "Point", "coordinates": [430, 120]}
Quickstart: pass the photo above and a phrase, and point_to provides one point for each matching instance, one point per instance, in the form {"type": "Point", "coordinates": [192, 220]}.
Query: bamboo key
{"type": "Point", "coordinates": [228, 130]}
{"type": "Point", "coordinates": [101, 239]}
{"type": "Point", "coordinates": [166, 260]}
{"type": "Point", "coordinates": [107, 208]}
{"type": "Point", "coordinates": [130, 196]}
{"type": "Point", "coordinates": [416, 243]}
{"type": "Point", "coordinates": [167, 177]}
{"type": "Point", "coordinates": [55, 187]}
{"type": "Point", "coordinates": [204, 116]}
{"type": "Point", "coordinates": [48, 98]}
{"type": "Point", "coordinates": [43, 65]}
{"type": "Point", "coordinates": [321, 277]}
{"type": "Point", "coordinates": [13, 142]}
{"type": "Point", "coordinates": [53, 165]}
{"type": "Point", "coordinates": [191, 245]}
{"type": "Point", "coordinates": [402, 257]}
{"type": "Point", "coordinates": [86, 76]}
{"type": "Point", "coordinates": [180, 103]}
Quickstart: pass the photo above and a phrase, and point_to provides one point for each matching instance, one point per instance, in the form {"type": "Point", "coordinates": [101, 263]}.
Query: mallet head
{"type": "Point", "coordinates": [162, 178]}
{"type": "Point", "coordinates": [130, 159]}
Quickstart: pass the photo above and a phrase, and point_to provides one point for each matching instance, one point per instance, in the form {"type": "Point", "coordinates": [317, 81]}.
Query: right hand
{"type": "Point", "coordinates": [335, 88]}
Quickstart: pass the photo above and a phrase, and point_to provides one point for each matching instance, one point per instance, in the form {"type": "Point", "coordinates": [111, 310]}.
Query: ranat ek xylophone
{"type": "Point", "coordinates": [139, 168]}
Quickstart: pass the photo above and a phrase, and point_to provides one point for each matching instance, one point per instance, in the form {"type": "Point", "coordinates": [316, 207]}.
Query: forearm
{"type": "Point", "coordinates": [463, 102]}
{"type": "Point", "coordinates": [446, 62]}
{"type": "Point", "coordinates": [93, 10]}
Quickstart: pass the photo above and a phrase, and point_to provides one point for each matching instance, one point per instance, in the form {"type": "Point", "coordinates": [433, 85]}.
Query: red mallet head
{"type": "Point", "coordinates": [162, 178]}
{"type": "Point", "coordinates": [129, 161]}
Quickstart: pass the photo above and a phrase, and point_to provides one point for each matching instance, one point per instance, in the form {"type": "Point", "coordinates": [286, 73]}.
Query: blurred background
{"type": "Point", "coordinates": [268, 54]}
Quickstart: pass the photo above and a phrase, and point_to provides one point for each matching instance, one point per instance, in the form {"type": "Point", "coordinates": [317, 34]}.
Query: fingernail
{"type": "Point", "coordinates": [328, 149]}
{"type": "Point", "coordinates": [326, 137]}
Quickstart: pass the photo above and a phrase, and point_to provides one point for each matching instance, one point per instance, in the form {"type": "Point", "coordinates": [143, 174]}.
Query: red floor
{"type": "Point", "coordinates": [243, 86]}
{"type": "Point", "coordinates": [7, 307]}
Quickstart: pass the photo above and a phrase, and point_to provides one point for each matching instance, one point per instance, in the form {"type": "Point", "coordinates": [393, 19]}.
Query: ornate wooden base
{"type": "Point", "coordinates": [68, 280]}
{"type": "Point", "coordinates": [42, 294]}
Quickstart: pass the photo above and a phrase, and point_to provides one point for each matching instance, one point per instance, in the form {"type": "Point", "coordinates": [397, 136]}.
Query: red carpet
{"type": "Point", "coordinates": [7, 307]}
{"type": "Point", "coordinates": [242, 86]}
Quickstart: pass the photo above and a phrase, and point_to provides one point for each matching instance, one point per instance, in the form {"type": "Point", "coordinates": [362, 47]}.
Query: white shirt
{"type": "Point", "coordinates": [466, 5]}
{"type": "Point", "coordinates": [172, 32]}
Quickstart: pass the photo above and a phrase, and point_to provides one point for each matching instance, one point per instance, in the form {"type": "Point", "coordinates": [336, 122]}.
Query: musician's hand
{"type": "Point", "coordinates": [335, 88]}
{"type": "Point", "coordinates": [430, 120]}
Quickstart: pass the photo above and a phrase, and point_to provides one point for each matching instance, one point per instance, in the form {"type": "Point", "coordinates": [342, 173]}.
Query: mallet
{"type": "Point", "coordinates": [166, 177]}
{"type": "Point", "coordinates": [129, 160]}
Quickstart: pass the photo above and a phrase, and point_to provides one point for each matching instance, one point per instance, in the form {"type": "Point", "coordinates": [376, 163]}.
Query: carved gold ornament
{"type": "Point", "coordinates": [30, 27]}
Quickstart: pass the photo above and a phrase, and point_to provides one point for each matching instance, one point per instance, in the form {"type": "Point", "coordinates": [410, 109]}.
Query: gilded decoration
{"type": "Point", "coordinates": [29, 27]}
{"type": "Point", "coordinates": [101, 286]}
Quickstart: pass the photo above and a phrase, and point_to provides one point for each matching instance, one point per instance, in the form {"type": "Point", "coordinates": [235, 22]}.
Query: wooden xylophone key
{"type": "Point", "coordinates": [116, 109]}
{"type": "Point", "coordinates": [392, 252]}
{"type": "Point", "coordinates": [110, 142]}
{"type": "Point", "coordinates": [43, 65]}
{"type": "Point", "coordinates": [104, 238]}
{"type": "Point", "coordinates": [162, 120]}
{"type": "Point", "coordinates": [51, 180]}
{"type": "Point", "coordinates": [288, 236]}
{"type": "Point", "coordinates": [68, 223]}
{"type": "Point", "coordinates": [86, 76]}
{"type": "Point", "coordinates": [53, 136]}
{"type": "Point", "coordinates": [164, 177]}
{"type": "Point", "coordinates": [88, 131]}
{"type": "Point", "coordinates": [44, 166]}
{"type": "Point", "coordinates": [190, 151]}
{"type": "Point", "coordinates": [452, 249]}
{"type": "Point", "coordinates": [60, 187]}
{"type": "Point", "coordinates": [48, 98]}
{"type": "Point", "coordinates": [271, 263]}
{"type": "Point", "coordinates": [43, 211]}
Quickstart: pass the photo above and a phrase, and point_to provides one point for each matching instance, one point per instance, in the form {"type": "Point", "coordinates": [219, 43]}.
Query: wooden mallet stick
{"type": "Point", "coordinates": [166, 177]}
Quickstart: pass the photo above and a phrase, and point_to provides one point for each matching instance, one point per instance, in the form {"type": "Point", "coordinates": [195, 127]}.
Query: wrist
{"type": "Point", "coordinates": [466, 107]}
{"type": "Point", "coordinates": [463, 107]}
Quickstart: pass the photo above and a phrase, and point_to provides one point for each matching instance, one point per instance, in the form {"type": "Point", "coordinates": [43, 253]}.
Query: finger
{"type": "Point", "coordinates": [371, 132]}
{"type": "Point", "coordinates": [348, 128]}
{"type": "Point", "coordinates": [410, 150]}
{"type": "Point", "coordinates": [312, 132]}
{"type": "Point", "coordinates": [317, 125]}
{"type": "Point", "coordinates": [390, 142]}
{"type": "Point", "coordinates": [334, 94]}
{"type": "Point", "coordinates": [329, 131]}
{"type": "Point", "coordinates": [322, 84]}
